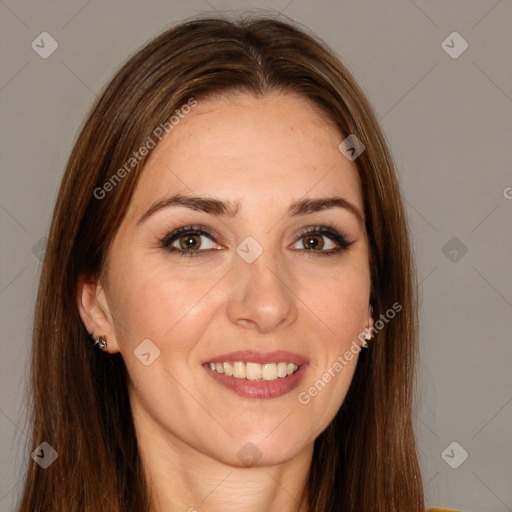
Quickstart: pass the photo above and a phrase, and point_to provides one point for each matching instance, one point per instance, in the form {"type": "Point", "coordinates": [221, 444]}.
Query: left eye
{"type": "Point", "coordinates": [315, 241]}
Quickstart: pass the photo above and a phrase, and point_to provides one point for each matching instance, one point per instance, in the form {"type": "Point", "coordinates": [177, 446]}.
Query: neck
{"type": "Point", "coordinates": [181, 477]}
{"type": "Point", "coordinates": [198, 484]}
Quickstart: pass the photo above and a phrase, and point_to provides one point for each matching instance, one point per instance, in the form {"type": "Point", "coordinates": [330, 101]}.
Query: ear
{"type": "Point", "coordinates": [95, 311]}
{"type": "Point", "coordinates": [369, 325]}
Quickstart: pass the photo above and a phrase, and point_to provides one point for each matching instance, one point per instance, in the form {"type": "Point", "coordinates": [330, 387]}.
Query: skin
{"type": "Point", "coordinates": [265, 153]}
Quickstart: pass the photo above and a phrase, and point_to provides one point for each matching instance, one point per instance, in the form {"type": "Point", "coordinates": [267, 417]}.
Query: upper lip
{"type": "Point", "coordinates": [253, 356]}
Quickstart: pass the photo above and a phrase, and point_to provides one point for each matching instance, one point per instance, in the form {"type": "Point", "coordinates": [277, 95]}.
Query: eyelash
{"type": "Point", "coordinates": [330, 232]}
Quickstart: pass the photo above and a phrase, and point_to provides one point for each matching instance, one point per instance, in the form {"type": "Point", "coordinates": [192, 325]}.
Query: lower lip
{"type": "Point", "coordinates": [259, 388]}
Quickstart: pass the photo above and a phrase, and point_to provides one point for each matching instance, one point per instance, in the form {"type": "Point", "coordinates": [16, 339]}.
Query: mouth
{"type": "Point", "coordinates": [258, 375]}
{"type": "Point", "coordinates": [255, 371]}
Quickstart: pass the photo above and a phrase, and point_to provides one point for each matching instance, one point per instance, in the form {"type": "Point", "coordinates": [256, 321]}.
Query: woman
{"type": "Point", "coordinates": [226, 317]}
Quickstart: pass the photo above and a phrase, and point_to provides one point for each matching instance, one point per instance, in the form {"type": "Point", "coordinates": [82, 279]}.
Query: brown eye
{"type": "Point", "coordinates": [323, 240]}
{"type": "Point", "coordinates": [194, 241]}
{"type": "Point", "coordinates": [190, 241]}
{"type": "Point", "coordinates": [313, 242]}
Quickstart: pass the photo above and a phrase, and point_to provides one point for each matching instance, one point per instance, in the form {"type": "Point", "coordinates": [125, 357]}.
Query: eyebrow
{"type": "Point", "coordinates": [230, 209]}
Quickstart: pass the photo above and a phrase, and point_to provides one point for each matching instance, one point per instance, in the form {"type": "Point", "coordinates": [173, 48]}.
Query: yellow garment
{"type": "Point", "coordinates": [437, 509]}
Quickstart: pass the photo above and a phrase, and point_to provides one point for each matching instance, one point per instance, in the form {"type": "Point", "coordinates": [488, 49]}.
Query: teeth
{"type": "Point", "coordinates": [252, 371]}
{"type": "Point", "coordinates": [255, 371]}
{"type": "Point", "coordinates": [269, 371]}
{"type": "Point", "coordinates": [239, 370]}
{"type": "Point", "coordinates": [228, 369]}
{"type": "Point", "coordinates": [282, 369]}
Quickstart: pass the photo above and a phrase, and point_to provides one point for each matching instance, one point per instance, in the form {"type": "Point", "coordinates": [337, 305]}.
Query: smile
{"type": "Point", "coordinates": [255, 371]}
{"type": "Point", "coordinates": [252, 374]}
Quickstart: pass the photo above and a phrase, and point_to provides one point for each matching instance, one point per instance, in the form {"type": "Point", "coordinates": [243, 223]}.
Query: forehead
{"type": "Point", "coordinates": [277, 148]}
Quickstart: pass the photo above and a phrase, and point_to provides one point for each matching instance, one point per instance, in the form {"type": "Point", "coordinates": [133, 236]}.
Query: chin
{"type": "Point", "coordinates": [258, 451]}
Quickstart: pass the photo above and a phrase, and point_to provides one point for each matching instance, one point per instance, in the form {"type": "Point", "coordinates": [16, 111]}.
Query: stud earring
{"type": "Point", "coordinates": [368, 337]}
{"type": "Point", "coordinates": [101, 342]}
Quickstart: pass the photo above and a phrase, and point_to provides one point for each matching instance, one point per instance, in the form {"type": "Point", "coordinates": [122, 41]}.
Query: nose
{"type": "Point", "coordinates": [262, 295]}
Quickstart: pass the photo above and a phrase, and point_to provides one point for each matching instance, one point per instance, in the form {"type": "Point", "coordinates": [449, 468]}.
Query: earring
{"type": "Point", "coordinates": [364, 343]}
{"type": "Point", "coordinates": [101, 342]}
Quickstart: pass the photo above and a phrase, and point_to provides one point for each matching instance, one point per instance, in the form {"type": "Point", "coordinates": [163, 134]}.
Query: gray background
{"type": "Point", "coordinates": [448, 121]}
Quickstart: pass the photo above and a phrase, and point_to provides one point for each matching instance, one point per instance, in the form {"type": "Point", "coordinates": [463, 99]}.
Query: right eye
{"type": "Point", "coordinates": [187, 241]}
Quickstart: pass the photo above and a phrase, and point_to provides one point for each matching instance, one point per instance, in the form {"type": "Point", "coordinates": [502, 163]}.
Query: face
{"type": "Point", "coordinates": [260, 277]}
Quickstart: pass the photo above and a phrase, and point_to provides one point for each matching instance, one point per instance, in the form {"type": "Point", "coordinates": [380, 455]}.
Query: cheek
{"type": "Point", "coordinates": [340, 302]}
{"type": "Point", "coordinates": [173, 312]}
{"type": "Point", "coordinates": [159, 304]}
{"type": "Point", "coordinates": [339, 307]}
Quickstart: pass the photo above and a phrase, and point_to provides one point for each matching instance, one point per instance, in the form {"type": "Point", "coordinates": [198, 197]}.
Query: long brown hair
{"type": "Point", "coordinates": [366, 458]}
